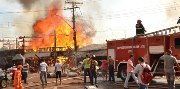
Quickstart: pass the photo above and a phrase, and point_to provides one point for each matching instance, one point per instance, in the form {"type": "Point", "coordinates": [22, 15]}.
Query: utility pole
{"type": "Point", "coordinates": [74, 6]}
{"type": "Point", "coordinates": [23, 44]}
{"type": "Point", "coordinates": [16, 43]}
{"type": "Point", "coordinates": [54, 44]}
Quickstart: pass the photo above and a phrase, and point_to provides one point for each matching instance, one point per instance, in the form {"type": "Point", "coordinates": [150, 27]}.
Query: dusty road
{"type": "Point", "coordinates": [77, 83]}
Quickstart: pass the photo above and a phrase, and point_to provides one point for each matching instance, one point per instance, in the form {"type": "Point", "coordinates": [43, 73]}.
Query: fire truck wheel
{"type": "Point", "coordinates": [122, 73]}
{"type": "Point", "coordinates": [3, 83]}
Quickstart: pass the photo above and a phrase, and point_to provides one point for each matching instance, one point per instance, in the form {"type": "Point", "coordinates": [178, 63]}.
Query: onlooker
{"type": "Point", "coordinates": [111, 69]}
{"type": "Point", "coordinates": [130, 73]}
{"type": "Point", "coordinates": [25, 72]}
{"type": "Point", "coordinates": [93, 71]}
{"type": "Point", "coordinates": [13, 69]}
{"type": "Point", "coordinates": [139, 70]}
{"type": "Point", "coordinates": [86, 64]}
{"type": "Point", "coordinates": [104, 69]}
{"type": "Point", "coordinates": [58, 68]}
{"type": "Point", "coordinates": [169, 62]}
{"type": "Point", "coordinates": [43, 72]}
{"type": "Point", "coordinates": [140, 28]}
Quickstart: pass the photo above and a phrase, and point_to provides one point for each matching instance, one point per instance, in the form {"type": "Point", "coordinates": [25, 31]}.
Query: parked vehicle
{"type": "Point", "coordinates": [150, 46]}
{"type": "Point", "coordinates": [3, 79]}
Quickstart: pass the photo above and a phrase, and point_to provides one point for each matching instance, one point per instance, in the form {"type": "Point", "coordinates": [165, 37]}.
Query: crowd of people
{"type": "Point", "coordinates": [107, 69]}
{"type": "Point", "coordinates": [169, 70]}
{"type": "Point", "coordinates": [90, 68]}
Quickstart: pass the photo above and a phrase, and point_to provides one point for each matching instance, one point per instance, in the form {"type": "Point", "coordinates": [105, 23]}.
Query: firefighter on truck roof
{"type": "Point", "coordinates": [140, 28]}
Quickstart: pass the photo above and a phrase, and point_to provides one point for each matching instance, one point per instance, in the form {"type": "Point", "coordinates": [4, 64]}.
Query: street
{"type": "Point", "coordinates": [77, 83]}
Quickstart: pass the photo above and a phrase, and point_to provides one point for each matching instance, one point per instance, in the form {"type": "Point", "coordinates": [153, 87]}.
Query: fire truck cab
{"type": "Point", "coordinates": [151, 46]}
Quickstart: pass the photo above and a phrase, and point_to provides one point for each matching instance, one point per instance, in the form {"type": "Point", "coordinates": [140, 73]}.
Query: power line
{"type": "Point", "coordinates": [74, 6]}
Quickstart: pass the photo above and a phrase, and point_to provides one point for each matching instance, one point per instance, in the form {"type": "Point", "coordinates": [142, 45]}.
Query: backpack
{"type": "Point", "coordinates": [146, 76]}
{"type": "Point", "coordinates": [92, 66]}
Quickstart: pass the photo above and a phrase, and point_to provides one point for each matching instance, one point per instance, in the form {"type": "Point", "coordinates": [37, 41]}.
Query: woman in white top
{"type": "Point", "coordinates": [58, 70]}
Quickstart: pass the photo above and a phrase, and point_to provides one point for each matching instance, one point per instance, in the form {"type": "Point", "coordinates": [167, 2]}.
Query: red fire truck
{"type": "Point", "coordinates": [150, 46]}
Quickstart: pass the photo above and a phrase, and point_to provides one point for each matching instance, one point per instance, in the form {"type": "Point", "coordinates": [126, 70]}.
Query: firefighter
{"type": "Point", "coordinates": [140, 28]}
{"type": "Point", "coordinates": [17, 78]}
{"type": "Point", "coordinates": [178, 22]}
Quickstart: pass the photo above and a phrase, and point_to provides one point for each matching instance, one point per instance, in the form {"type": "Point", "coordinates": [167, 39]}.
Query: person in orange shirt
{"type": "Point", "coordinates": [17, 78]}
{"type": "Point", "coordinates": [130, 73]}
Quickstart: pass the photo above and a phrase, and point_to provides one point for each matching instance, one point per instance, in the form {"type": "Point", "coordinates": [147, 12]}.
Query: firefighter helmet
{"type": "Point", "coordinates": [139, 21]}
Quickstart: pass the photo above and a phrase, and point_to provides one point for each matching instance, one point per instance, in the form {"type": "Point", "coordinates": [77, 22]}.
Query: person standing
{"type": "Point", "coordinates": [111, 69]}
{"type": "Point", "coordinates": [130, 73]}
{"type": "Point", "coordinates": [140, 28]}
{"type": "Point", "coordinates": [169, 62]}
{"type": "Point", "coordinates": [17, 78]}
{"type": "Point", "coordinates": [13, 69]}
{"type": "Point", "coordinates": [25, 72]}
{"type": "Point", "coordinates": [43, 72]}
{"type": "Point", "coordinates": [93, 71]}
{"type": "Point", "coordinates": [86, 64]}
{"type": "Point", "coordinates": [104, 68]}
{"type": "Point", "coordinates": [58, 68]}
{"type": "Point", "coordinates": [139, 70]}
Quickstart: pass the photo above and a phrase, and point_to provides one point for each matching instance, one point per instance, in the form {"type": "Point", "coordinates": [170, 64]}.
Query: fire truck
{"type": "Point", "coordinates": [151, 46]}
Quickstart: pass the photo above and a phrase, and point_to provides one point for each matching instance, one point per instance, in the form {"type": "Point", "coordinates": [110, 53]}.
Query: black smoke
{"type": "Point", "coordinates": [27, 4]}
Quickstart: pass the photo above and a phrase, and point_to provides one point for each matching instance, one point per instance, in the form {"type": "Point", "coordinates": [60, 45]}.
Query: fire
{"type": "Point", "coordinates": [46, 27]}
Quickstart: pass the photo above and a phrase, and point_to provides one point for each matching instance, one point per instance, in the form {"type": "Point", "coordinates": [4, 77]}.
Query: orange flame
{"type": "Point", "coordinates": [64, 33]}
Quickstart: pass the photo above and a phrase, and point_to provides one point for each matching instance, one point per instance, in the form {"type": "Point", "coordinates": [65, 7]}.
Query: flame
{"type": "Point", "coordinates": [46, 27]}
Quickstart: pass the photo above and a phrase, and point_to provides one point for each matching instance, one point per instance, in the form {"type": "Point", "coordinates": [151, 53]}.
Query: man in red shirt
{"type": "Point", "coordinates": [130, 73]}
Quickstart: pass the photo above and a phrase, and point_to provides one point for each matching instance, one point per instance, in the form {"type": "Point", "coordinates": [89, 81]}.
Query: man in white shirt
{"type": "Point", "coordinates": [43, 72]}
{"type": "Point", "coordinates": [139, 70]}
{"type": "Point", "coordinates": [25, 71]}
{"type": "Point", "coordinates": [58, 68]}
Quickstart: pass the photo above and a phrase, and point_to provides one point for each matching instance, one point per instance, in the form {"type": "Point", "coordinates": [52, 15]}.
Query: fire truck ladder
{"type": "Point", "coordinates": [166, 31]}
{"type": "Point", "coordinates": [155, 64]}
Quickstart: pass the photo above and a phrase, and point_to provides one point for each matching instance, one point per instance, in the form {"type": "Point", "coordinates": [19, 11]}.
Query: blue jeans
{"type": "Point", "coordinates": [129, 74]}
{"type": "Point", "coordinates": [143, 86]}
{"type": "Point", "coordinates": [170, 80]}
{"type": "Point", "coordinates": [86, 72]}
{"type": "Point", "coordinates": [111, 73]}
{"type": "Point", "coordinates": [43, 73]}
{"type": "Point", "coordinates": [93, 76]}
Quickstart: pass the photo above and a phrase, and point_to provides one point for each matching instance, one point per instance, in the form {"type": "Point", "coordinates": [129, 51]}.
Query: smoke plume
{"type": "Point", "coordinates": [27, 4]}
{"type": "Point", "coordinates": [38, 9]}
{"type": "Point", "coordinates": [173, 11]}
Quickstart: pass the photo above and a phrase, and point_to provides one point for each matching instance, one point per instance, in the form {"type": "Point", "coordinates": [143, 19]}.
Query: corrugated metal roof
{"type": "Point", "coordinates": [93, 47]}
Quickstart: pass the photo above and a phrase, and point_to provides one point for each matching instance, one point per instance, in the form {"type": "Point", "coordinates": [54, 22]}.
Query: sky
{"type": "Point", "coordinates": [109, 19]}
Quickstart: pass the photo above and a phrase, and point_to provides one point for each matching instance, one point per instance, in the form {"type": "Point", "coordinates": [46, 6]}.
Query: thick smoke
{"type": "Point", "coordinates": [27, 4]}
{"type": "Point", "coordinates": [38, 9]}
{"type": "Point", "coordinates": [173, 11]}
{"type": "Point", "coordinates": [88, 27]}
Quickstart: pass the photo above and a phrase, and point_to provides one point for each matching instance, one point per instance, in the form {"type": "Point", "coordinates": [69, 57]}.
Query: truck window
{"type": "Point", "coordinates": [177, 43]}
